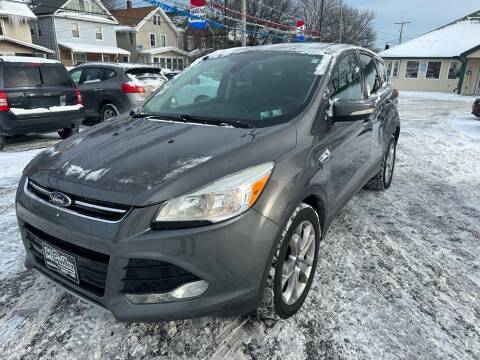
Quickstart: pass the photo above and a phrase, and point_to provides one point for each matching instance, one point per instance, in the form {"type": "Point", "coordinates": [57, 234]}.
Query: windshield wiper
{"type": "Point", "coordinates": [197, 120]}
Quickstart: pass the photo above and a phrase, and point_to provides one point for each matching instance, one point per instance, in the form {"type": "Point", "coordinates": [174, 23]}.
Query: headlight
{"type": "Point", "coordinates": [217, 201]}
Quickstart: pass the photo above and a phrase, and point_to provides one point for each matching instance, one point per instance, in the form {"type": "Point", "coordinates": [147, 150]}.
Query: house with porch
{"type": "Point", "coordinates": [446, 59]}
{"type": "Point", "coordinates": [17, 23]}
{"type": "Point", "coordinates": [77, 31]}
{"type": "Point", "coordinates": [150, 36]}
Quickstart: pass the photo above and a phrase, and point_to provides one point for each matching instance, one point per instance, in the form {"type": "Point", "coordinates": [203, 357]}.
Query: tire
{"type": "Point", "coordinates": [2, 142]}
{"type": "Point", "coordinates": [383, 179]}
{"type": "Point", "coordinates": [108, 111]}
{"type": "Point", "coordinates": [284, 295]}
{"type": "Point", "coordinates": [67, 132]}
{"type": "Point", "coordinates": [477, 115]}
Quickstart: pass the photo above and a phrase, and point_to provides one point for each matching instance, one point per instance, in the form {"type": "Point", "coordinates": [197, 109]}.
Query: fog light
{"type": "Point", "coordinates": [183, 292]}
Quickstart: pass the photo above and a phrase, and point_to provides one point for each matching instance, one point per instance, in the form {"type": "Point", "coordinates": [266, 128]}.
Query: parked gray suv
{"type": "Point", "coordinates": [215, 196]}
{"type": "Point", "coordinates": [110, 89]}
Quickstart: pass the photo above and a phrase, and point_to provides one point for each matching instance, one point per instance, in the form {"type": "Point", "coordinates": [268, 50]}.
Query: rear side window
{"type": "Point", "coordinates": [370, 72]}
{"type": "Point", "coordinates": [92, 75]}
{"type": "Point", "coordinates": [18, 76]}
{"type": "Point", "coordinates": [55, 76]}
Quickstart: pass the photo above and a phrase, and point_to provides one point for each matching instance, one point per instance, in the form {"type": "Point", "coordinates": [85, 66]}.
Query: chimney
{"type": "Point", "coordinates": [387, 46]}
{"type": "Point", "coordinates": [129, 4]}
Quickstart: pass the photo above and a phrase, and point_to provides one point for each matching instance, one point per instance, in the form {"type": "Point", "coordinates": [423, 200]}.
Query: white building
{"type": "Point", "coordinates": [446, 59]}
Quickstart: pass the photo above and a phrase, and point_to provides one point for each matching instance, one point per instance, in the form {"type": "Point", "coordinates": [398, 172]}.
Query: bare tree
{"type": "Point", "coordinates": [356, 24]}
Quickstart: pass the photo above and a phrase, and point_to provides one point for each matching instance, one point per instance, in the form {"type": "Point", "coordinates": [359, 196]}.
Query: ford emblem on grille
{"type": "Point", "coordinates": [60, 199]}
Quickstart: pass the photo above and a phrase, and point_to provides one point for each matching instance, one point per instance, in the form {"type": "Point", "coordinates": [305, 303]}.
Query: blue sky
{"type": "Point", "coordinates": [425, 15]}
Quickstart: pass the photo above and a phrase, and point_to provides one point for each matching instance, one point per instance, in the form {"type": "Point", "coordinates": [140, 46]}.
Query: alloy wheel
{"type": "Point", "coordinates": [109, 113]}
{"type": "Point", "coordinates": [298, 262]}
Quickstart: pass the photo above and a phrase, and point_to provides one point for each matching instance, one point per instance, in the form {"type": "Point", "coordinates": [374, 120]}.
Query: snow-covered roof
{"type": "Point", "coordinates": [97, 49]}
{"type": "Point", "coordinates": [28, 59]}
{"type": "Point", "coordinates": [446, 42]}
{"type": "Point", "coordinates": [86, 17]}
{"type": "Point", "coordinates": [9, 8]}
{"type": "Point", "coordinates": [164, 49]}
{"type": "Point", "coordinates": [26, 44]}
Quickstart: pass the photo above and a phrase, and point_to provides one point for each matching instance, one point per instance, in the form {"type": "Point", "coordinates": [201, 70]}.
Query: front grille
{"type": "Point", "coordinates": [91, 265]}
{"type": "Point", "coordinates": [85, 207]}
{"type": "Point", "coordinates": [154, 276]}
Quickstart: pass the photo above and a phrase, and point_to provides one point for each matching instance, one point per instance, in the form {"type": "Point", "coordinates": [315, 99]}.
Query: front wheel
{"type": "Point", "coordinates": [67, 132]}
{"type": "Point", "coordinates": [383, 179]}
{"type": "Point", "coordinates": [293, 265]}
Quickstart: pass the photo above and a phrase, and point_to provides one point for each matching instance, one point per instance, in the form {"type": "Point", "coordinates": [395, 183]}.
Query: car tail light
{"type": "Point", "coordinates": [130, 88]}
{"type": "Point", "coordinates": [4, 101]}
{"type": "Point", "coordinates": [395, 92]}
{"type": "Point", "coordinates": [78, 96]}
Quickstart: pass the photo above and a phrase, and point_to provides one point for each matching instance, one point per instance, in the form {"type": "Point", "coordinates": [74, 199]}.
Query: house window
{"type": "Point", "coordinates": [98, 33]}
{"type": "Point", "coordinates": [156, 20]}
{"type": "Point", "coordinates": [35, 30]}
{"type": "Point", "coordinates": [75, 30]}
{"type": "Point", "coordinates": [169, 64]}
{"type": "Point", "coordinates": [190, 43]}
{"type": "Point", "coordinates": [1, 28]}
{"type": "Point", "coordinates": [411, 70]}
{"type": "Point", "coordinates": [153, 40]}
{"type": "Point", "coordinates": [162, 63]}
{"type": "Point", "coordinates": [125, 58]}
{"type": "Point", "coordinates": [105, 58]}
{"type": "Point", "coordinates": [174, 64]}
{"type": "Point", "coordinates": [180, 64]}
{"type": "Point", "coordinates": [433, 70]}
{"type": "Point", "coordinates": [392, 68]}
{"type": "Point", "coordinates": [79, 58]}
{"type": "Point", "coordinates": [163, 40]}
{"type": "Point", "coordinates": [454, 70]}
{"type": "Point", "coordinates": [130, 38]}
{"type": "Point", "coordinates": [81, 5]}
{"type": "Point", "coordinates": [203, 43]}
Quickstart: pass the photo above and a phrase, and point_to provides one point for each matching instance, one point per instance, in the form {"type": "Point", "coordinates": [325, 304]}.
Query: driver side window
{"type": "Point", "coordinates": [346, 82]}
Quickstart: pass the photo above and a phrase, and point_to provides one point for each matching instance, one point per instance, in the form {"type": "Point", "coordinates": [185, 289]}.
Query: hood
{"type": "Point", "coordinates": [139, 162]}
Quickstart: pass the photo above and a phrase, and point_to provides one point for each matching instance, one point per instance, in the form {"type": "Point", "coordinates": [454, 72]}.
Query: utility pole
{"type": "Point", "coordinates": [402, 24]}
{"type": "Point", "coordinates": [322, 6]}
{"type": "Point", "coordinates": [244, 23]}
{"type": "Point", "coordinates": [225, 44]}
{"type": "Point", "coordinates": [341, 22]}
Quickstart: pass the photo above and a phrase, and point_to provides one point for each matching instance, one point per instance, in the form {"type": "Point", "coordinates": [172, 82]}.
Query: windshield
{"type": "Point", "coordinates": [259, 88]}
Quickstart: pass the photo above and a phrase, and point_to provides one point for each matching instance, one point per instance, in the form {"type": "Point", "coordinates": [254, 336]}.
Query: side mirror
{"type": "Point", "coordinates": [352, 110]}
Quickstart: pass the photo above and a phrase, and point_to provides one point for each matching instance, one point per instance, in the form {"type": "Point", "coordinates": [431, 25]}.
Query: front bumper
{"type": "Point", "coordinates": [231, 256]}
{"type": "Point", "coordinates": [11, 124]}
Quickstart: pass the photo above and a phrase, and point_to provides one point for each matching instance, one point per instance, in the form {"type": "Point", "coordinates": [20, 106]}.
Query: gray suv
{"type": "Point", "coordinates": [110, 89]}
{"type": "Point", "coordinates": [214, 197]}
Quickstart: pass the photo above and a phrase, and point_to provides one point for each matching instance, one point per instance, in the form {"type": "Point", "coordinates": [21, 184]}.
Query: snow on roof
{"type": "Point", "coordinates": [97, 49]}
{"type": "Point", "coordinates": [86, 17]}
{"type": "Point", "coordinates": [446, 42]}
{"type": "Point", "coordinates": [26, 44]}
{"type": "Point", "coordinates": [28, 59]}
{"type": "Point", "coordinates": [164, 49]}
{"type": "Point", "coordinates": [10, 8]}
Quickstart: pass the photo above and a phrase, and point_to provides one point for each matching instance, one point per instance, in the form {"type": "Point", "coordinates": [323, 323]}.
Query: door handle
{"type": "Point", "coordinates": [324, 157]}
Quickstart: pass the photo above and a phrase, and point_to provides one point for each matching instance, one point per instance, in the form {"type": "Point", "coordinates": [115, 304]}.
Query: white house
{"type": "Point", "coordinates": [446, 59]}
{"type": "Point", "coordinates": [77, 30]}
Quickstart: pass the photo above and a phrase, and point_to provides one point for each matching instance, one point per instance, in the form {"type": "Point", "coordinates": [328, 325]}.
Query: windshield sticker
{"type": "Point", "coordinates": [264, 115]}
{"type": "Point", "coordinates": [276, 112]}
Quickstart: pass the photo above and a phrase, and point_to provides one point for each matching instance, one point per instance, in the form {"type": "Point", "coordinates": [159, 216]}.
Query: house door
{"type": "Point", "coordinates": [477, 90]}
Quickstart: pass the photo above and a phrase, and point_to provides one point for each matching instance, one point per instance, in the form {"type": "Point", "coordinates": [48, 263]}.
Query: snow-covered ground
{"type": "Point", "coordinates": [398, 276]}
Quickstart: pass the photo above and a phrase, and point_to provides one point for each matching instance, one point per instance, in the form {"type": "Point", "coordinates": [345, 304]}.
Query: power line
{"type": "Point", "coordinates": [402, 24]}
